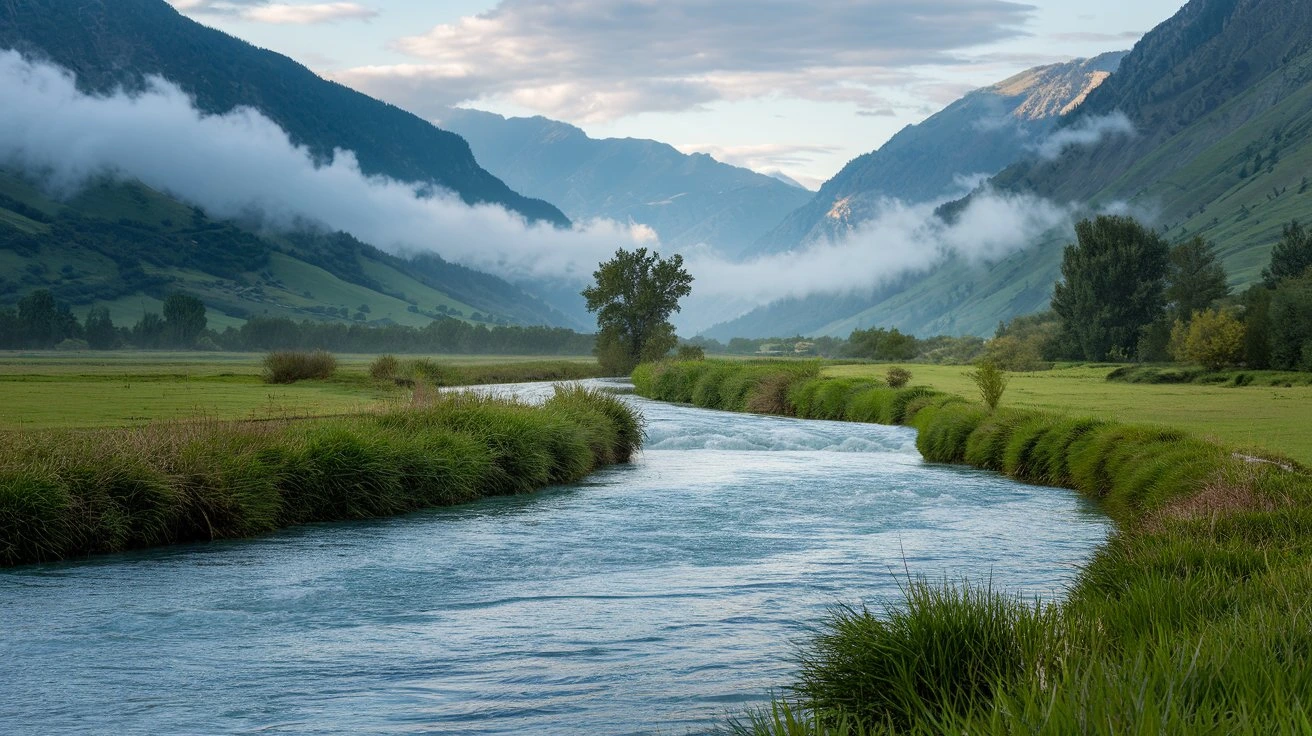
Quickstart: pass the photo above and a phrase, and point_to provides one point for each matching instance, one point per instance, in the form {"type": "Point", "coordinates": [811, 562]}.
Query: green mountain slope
{"type": "Point", "coordinates": [1221, 98]}
{"type": "Point", "coordinates": [686, 199]}
{"type": "Point", "coordinates": [116, 43]}
{"type": "Point", "coordinates": [126, 246]}
{"type": "Point", "coordinates": [979, 134]}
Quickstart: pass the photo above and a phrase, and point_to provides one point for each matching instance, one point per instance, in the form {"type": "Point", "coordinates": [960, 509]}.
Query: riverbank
{"type": "Point", "coordinates": [72, 492]}
{"type": "Point", "coordinates": [1193, 618]}
{"type": "Point", "coordinates": [1259, 411]}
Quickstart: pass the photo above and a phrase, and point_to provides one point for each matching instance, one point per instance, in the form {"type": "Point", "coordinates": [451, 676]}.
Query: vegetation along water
{"type": "Point", "coordinates": [1193, 618]}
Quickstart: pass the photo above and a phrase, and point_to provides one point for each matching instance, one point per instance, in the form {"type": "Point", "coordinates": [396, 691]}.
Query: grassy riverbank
{"type": "Point", "coordinates": [50, 390]}
{"type": "Point", "coordinates": [72, 492]}
{"type": "Point", "coordinates": [1261, 415]}
{"type": "Point", "coordinates": [1194, 618]}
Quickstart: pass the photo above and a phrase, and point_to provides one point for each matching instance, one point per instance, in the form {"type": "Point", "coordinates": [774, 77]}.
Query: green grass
{"type": "Point", "coordinates": [111, 389]}
{"type": "Point", "coordinates": [1194, 618]}
{"type": "Point", "coordinates": [1255, 416]}
{"type": "Point", "coordinates": [67, 493]}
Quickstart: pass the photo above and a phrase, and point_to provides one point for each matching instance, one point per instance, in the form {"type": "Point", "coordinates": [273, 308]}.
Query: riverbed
{"type": "Point", "coordinates": [656, 597]}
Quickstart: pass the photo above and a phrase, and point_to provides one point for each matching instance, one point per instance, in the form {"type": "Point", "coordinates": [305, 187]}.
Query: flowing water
{"type": "Point", "coordinates": [657, 597]}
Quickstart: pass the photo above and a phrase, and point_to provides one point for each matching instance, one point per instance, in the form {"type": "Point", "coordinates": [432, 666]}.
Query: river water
{"type": "Point", "coordinates": [657, 597]}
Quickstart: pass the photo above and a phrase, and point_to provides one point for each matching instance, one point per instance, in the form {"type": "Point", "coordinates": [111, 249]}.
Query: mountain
{"type": "Point", "coordinates": [117, 43]}
{"type": "Point", "coordinates": [1220, 97]}
{"type": "Point", "coordinates": [980, 134]}
{"type": "Point", "coordinates": [686, 198]}
{"type": "Point", "coordinates": [125, 246]}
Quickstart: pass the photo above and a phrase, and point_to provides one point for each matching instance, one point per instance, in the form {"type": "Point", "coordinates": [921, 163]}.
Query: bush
{"type": "Point", "coordinates": [1213, 338]}
{"type": "Point", "coordinates": [897, 377]}
{"type": "Point", "coordinates": [691, 352]}
{"type": "Point", "coordinates": [384, 368]}
{"type": "Point", "coordinates": [991, 382]}
{"type": "Point", "coordinates": [290, 366]}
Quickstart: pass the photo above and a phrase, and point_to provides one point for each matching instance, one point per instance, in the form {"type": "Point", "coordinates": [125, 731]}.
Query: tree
{"type": "Point", "coordinates": [44, 322]}
{"type": "Point", "coordinates": [878, 343]}
{"type": "Point", "coordinates": [1292, 256]}
{"type": "Point", "coordinates": [99, 329]}
{"type": "Point", "coordinates": [991, 381]}
{"type": "Point", "coordinates": [1257, 327]}
{"type": "Point", "coordinates": [1291, 325]}
{"type": "Point", "coordinates": [634, 295]}
{"type": "Point", "coordinates": [1113, 286]}
{"type": "Point", "coordinates": [1213, 338]}
{"type": "Point", "coordinates": [1195, 280]}
{"type": "Point", "coordinates": [184, 319]}
{"type": "Point", "coordinates": [149, 331]}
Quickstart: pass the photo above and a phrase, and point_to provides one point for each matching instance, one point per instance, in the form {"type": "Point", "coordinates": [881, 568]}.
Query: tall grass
{"type": "Point", "coordinates": [72, 493]}
{"type": "Point", "coordinates": [1196, 617]}
{"type": "Point", "coordinates": [290, 366]}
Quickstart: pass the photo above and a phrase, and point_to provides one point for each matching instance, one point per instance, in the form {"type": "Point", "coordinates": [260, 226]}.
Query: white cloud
{"type": "Point", "coordinates": [593, 60]}
{"type": "Point", "coordinates": [264, 11]}
{"type": "Point", "coordinates": [763, 158]}
{"type": "Point", "coordinates": [1084, 133]}
{"type": "Point", "coordinates": [241, 164]}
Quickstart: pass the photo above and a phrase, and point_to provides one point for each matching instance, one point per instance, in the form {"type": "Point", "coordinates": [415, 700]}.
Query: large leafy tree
{"type": "Point", "coordinates": [1113, 286]}
{"type": "Point", "coordinates": [1292, 256]}
{"type": "Point", "coordinates": [1196, 280]}
{"type": "Point", "coordinates": [634, 295]}
{"type": "Point", "coordinates": [184, 319]}
{"type": "Point", "coordinates": [45, 322]}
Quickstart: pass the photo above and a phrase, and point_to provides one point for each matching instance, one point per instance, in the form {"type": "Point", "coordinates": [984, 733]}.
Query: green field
{"type": "Point", "coordinates": [94, 389]}
{"type": "Point", "coordinates": [1277, 419]}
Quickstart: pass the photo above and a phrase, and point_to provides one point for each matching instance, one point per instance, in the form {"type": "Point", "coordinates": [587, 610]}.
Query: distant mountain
{"type": "Point", "coordinates": [686, 198]}
{"type": "Point", "coordinates": [125, 246]}
{"type": "Point", "coordinates": [1220, 96]}
{"type": "Point", "coordinates": [116, 43]}
{"type": "Point", "coordinates": [980, 134]}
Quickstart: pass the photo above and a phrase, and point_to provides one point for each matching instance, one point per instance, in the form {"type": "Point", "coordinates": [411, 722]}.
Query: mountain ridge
{"type": "Point", "coordinates": [688, 199]}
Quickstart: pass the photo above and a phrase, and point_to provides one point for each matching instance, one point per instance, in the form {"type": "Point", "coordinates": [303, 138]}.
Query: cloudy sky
{"type": "Point", "coordinates": [800, 87]}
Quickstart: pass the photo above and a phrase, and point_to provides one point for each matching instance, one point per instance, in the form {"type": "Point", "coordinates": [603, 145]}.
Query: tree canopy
{"type": "Point", "coordinates": [1292, 256]}
{"type": "Point", "coordinates": [1196, 280]}
{"type": "Point", "coordinates": [633, 296]}
{"type": "Point", "coordinates": [1113, 285]}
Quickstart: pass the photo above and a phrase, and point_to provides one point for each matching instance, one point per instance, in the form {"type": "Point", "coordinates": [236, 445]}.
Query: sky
{"type": "Point", "coordinates": [774, 85]}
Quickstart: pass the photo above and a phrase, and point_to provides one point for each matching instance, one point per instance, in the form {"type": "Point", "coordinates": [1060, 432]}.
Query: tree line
{"type": "Point", "coordinates": [41, 322]}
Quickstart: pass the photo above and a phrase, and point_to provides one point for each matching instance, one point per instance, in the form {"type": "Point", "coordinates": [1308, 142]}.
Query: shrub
{"type": "Point", "coordinates": [1213, 338]}
{"type": "Point", "coordinates": [991, 382]}
{"type": "Point", "coordinates": [290, 366]}
{"type": "Point", "coordinates": [897, 377]}
{"type": "Point", "coordinates": [384, 368]}
{"type": "Point", "coordinates": [691, 352]}
{"type": "Point", "coordinates": [435, 374]}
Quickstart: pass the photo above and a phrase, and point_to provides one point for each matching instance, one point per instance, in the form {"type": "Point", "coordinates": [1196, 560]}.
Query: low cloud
{"type": "Point", "coordinates": [593, 60]}
{"type": "Point", "coordinates": [900, 239]}
{"type": "Point", "coordinates": [242, 165]}
{"type": "Point", "coordinates": [265, 11]}
{"type": "Point", "coordinates": [1085, 133]}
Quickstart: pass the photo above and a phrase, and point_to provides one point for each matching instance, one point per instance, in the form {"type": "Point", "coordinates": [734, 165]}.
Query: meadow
{"type": "Point", "coordinates": [43, 390]}
{"type": "Point", "coordinates": [1193, 618]}
{"type": "Point", "coordinates": [1275, 418]}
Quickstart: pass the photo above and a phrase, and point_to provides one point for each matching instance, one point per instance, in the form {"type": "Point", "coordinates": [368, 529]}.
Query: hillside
{"type": "Point", "coordinates": [979, 134]}
{"type": "Point", "coordinates": [686, 198]}
{"type": "Point", "coordinates": [1221, 98]}
{"type": "Point", "coordinates": [126, 246]}
{"type": "Point", "coordinates": [116, 43]}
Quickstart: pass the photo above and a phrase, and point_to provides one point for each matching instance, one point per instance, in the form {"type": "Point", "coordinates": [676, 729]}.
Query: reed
{"type": "Point", "coordinates": [1193, 618]}
{"type": "Point", "coordinates": [72, 493]}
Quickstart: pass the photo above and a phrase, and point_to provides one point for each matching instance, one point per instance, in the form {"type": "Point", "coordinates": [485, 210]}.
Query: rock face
{"type": "Point", "coordinates": [978, 135]}
{"type": "Point", "coordinates": [686, 198]}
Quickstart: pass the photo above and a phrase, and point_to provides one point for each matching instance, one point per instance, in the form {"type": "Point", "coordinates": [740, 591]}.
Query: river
{"type": "Point", "coordinates": [656, 597]}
